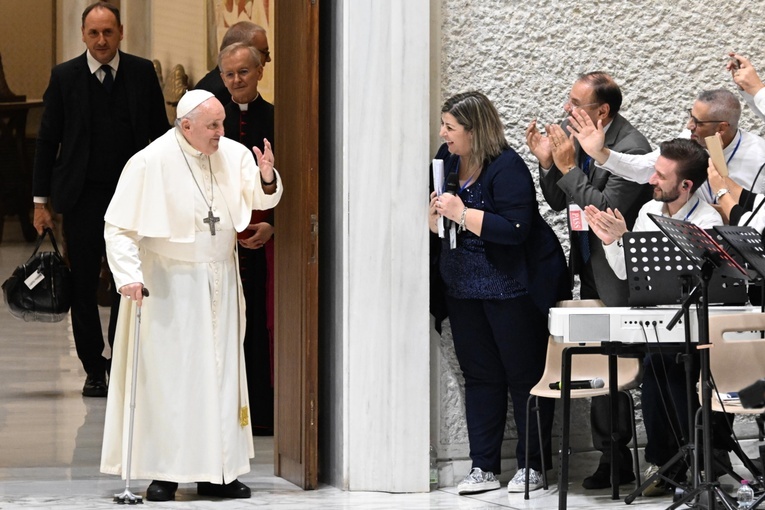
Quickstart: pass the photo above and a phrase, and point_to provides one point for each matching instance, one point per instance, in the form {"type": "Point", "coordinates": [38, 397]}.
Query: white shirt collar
{"type": "Point", "coordinates": [733, 143]}
{"type": "Point", "coordinates": [245, 106]}
{"type": "Point", "coordinates": [94, 65]}
{"type": "Point", "coordinates": [685, 210]}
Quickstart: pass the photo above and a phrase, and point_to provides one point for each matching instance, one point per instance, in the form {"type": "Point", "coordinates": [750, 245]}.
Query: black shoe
{"type": "Point", "coordinates": [161, 491]}
{"type": "Point", "coordinates": [94, 387]}
{"type": "Point", "coordinates": [601, 478]}
{"type": "Point", "coordinates": [235, 489]}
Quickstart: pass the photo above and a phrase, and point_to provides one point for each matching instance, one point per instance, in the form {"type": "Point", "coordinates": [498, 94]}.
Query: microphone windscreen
{"type": "Point", "coordinates": [452, 183]}
{"type": "Point", "coordinates": [598, 383]}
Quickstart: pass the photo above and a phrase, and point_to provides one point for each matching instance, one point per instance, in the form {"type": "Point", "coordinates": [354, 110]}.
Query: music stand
{"type": "Point", "coordinates": [708, 256]}
{"type": "Point", "coordinates": [658, 273]}
{"type": "Point", "coordinates": [747, 242]}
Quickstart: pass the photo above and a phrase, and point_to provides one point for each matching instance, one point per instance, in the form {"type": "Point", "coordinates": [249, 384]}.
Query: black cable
{"type": "Point", "coordinates": [751, 189]}
{"type": "Point", "coordinates": [656, 378]}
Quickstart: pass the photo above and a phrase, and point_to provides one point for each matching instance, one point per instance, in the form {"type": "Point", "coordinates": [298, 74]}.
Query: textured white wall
{"type": "Point", "coordinates": [526, 55]}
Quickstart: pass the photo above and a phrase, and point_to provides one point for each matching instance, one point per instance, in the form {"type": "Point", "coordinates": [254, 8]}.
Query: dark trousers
{"type": "Point", "coordinates": [501, 345]}
{"type": "Point", "coordinates": [257, 340]}
{"type": "Point", "coordinates": [665, 404]}
{"type": "Point", "coordinates": [600, 420]}
{"type": "Point", "coordinates": [84, 234]}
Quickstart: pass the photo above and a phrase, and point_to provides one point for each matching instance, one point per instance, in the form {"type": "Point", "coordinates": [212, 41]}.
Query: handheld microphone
{"type": "Point", "coordinates": [452, 186]}
{"type": "Point", "coordinates": [580, 385]}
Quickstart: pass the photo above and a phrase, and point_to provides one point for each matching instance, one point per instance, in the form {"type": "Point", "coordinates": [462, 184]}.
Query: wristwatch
{"type": "Point", "coordinates": [720, 193]}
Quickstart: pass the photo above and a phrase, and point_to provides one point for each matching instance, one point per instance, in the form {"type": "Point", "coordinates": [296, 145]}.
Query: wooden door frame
{"type": "Point", "coordinates": [296, 84]}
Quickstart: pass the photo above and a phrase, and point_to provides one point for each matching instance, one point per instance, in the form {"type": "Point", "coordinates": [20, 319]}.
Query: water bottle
{"type": "Point", "coordinates": [745, 495]}
{"type": "Point", "coordinates": [433, 469]}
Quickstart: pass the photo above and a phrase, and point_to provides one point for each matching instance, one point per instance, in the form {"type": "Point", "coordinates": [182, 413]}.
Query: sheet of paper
{"type": "Point", "coordinates": [438, 184]}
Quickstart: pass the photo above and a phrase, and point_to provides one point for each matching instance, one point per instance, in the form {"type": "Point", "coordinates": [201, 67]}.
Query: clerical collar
{"type": "Point", "coordinates": [243, 107]}
{"type": "Point", "coordinates": [94, 65]}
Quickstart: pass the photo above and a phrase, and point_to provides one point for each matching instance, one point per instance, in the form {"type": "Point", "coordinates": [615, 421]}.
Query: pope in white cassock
{"type": "Point", "coordinates": [171, 227]}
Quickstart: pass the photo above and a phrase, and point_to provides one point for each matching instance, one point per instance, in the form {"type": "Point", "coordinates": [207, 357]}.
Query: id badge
{"type": "Point", "coordinates": [576, 218]}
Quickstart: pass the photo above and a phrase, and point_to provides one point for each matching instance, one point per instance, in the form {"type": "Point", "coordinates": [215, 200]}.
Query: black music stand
{"type": "Point", "coordinates": [708, 256]}
{"type": "Point", "coordinates": [658, 273]}
{"type": "Point", "coordinates": [747, 242]}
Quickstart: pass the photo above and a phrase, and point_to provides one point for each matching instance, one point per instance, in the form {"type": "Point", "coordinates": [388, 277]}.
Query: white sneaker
{"type": "Point", "coordinates": [518, 483]}
{"type": "Point", "coordinates": [478, 480]}
{"type": "Point", "coordinates": [654, 489]}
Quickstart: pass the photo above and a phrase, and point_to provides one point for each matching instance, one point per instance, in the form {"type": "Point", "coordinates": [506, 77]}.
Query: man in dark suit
{"type": "Point", "coordinates": [100, 109]}
{"type": "Point", "coordinates": [250, 120]}
{"type": "Point", "coordinates": [245, 32]}
{"type": "Point", "coordinates": [570, 180]}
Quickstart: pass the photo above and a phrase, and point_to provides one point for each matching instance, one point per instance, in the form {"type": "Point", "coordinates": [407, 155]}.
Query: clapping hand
{"type": "Point", "coordinates": [539, 145]}
{"type": "Point", "coordinates": [608, 225]}
{"type": "Point", "coordinates": [562, 148]}
{"type": "Point", "coordinates": [591, 137]}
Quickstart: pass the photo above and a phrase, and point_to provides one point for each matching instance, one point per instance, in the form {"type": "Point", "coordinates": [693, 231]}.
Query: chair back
{"type": "Point", "coordinates": [736, 363]}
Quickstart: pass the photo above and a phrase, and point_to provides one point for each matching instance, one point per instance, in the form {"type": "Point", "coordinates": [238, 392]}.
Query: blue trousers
{"type": "Point", "coordinates": [501, 346]}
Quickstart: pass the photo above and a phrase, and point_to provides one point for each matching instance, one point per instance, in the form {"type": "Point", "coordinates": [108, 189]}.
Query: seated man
{"type": "Point", "coordinates": [679, 171]}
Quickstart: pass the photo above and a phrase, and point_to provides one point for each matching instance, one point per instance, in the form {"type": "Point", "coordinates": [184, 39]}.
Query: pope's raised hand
{"type": "Point", "coordinates": [265, 161]}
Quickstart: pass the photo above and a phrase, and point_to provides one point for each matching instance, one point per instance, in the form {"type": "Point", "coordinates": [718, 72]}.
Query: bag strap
{"type": "Point", "coordinates": [40, 240]}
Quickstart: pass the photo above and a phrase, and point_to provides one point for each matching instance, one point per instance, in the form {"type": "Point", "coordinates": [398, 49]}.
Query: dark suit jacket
{"type": "Point", "coordinates": [212, 82]}
{"type": "Point", "coordinates": [518, 241]}
{"type": "Point", "coordinates": [258, 123]}
{"type": "Point", "coordinates": [601, 189]}
{"type": "Point", "coordinates": [63, 142]}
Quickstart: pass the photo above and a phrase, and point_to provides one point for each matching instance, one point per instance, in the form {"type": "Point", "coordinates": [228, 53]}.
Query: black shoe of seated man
{"type": "Point", "coordinates": [601, 478]}
{"type": "Point", "coordinates": [94, 387]}
{"type": "Point", "coordinates": [161, 491]}
{"type": "Point", "coordinates": [235, 489]}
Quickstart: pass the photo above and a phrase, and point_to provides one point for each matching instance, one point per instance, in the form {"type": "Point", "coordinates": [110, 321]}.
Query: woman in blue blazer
{"type": "Point", "coordinates": [499, 281]}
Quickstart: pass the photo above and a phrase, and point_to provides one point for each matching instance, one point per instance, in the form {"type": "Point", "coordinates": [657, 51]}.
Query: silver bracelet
{"type": "Point", "coordinates": [462, 220]}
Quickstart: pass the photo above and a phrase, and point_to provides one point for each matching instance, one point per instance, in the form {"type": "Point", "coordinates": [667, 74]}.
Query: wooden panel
{"type": "Point", "coordinates": [296, 249]}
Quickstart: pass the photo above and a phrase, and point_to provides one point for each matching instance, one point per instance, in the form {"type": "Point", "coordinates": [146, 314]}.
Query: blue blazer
{"type": "Point", "coordinates": [518, 241]}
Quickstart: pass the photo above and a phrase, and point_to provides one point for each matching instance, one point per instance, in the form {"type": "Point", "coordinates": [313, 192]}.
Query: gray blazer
{"type": "Point", "coordinates": [601, 189]}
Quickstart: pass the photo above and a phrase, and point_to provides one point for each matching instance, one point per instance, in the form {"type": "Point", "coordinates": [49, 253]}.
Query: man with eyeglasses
{"type": "Point", "coordinates": [250, 121]}
{"type": "Point", "coordinates": [245, 32]}
{"type": "Point", "coordinates": [713, 111]}
{"type": "Point", "coordinates": [569, 180]}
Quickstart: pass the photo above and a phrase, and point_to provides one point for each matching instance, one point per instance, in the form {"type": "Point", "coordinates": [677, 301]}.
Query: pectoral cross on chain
{"type": "Point", "coordinates": [211, 221]}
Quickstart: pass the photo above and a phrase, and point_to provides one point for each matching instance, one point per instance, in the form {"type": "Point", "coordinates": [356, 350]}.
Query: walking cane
{"type": "Point", "coordinates": [126, 496]}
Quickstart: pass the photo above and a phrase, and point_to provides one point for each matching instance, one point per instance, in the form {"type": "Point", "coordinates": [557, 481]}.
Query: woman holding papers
{"type": "Point", "coordinates": [500, 278]}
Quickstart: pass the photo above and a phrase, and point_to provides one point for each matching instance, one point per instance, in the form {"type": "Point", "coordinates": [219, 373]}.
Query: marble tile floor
{"type": "Point", "coordinates": [50, 441]}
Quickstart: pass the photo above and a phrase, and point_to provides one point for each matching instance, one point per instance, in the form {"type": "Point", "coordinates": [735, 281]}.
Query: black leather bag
{"type": "Point", "coordinates": [40, 289]}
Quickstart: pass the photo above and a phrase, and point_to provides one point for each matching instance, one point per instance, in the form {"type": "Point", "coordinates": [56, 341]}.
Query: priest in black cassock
{"type": "Point", "coordinates": [250, 120]}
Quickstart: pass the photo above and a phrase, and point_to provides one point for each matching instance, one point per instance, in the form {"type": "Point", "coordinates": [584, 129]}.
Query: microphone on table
{"type": "Point", "coordinates": [580, 385]}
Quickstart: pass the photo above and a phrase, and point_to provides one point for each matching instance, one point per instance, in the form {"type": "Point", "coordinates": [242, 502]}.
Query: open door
{"type": "Point", "coordinates": [296, 294]}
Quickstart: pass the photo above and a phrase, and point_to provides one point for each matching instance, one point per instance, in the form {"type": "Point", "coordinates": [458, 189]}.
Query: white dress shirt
{"type": "Point", "coordinates": [744, 156]}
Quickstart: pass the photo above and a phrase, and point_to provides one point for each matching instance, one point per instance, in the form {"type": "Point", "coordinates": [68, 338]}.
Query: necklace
{"type": "Point", "coordinates": [211, 220]}
{"type": "Point", "coordinates": [469, 180]}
